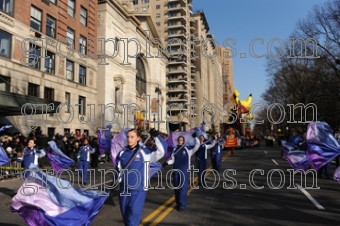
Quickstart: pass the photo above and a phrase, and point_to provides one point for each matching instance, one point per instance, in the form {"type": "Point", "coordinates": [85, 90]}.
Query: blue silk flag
{"type": "Point", "coordinates": [53, 201]}
{"type": "Point", "coordinates": [5, 127]}
{"type": "Point", "coordinates": [59, 161]}
{"type": "Point", "coordinates": [287, 147]}
{"type": "Point", "coordinates": [189, 140]}
{"type": "Point", "coordinates": [297, 160]}
{"type": "Point", "coordinates": [322, 147]}
{"type": "Point", "coordinates": [104, 139]}
{"type": "Point", "coordinates": [119, 142]}
{"type": "Point", "coordinates": [4, 159]}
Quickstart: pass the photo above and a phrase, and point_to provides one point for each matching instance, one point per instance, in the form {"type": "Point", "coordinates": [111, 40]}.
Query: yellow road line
{"type": "Point", "coordinates": [172, 202]}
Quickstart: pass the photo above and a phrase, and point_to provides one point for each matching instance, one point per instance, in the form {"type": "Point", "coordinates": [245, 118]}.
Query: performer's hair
{"type": "Point", "coordinates": [30, 139]}
{"type": "Point", "coordinates": [137, 131]}
{"type": "Point", "coordinates": [181, 137]}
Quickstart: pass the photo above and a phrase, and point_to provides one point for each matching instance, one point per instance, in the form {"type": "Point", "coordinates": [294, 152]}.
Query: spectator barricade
{"type": "Point", "coordinates": [11, 170]}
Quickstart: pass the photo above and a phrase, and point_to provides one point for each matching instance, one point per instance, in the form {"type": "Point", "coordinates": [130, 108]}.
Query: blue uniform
{"type": "Point", "coordinates": [201, 160]}
{"type": "Point", "coordinates": [134, 182]}
{"type": "Point", "coordinates": [84, 159]}
{"type": "Point", "coordinates": [216, 155]}
{"type": "Point", "coordinates": [181, 161]}
{"type": "Point", "coordinates": [30, 159]}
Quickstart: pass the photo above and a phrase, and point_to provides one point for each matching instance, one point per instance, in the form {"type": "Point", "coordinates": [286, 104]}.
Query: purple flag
{"type": "Point", "coordinates": [322, 146]}
{"type": "Point", "coordinates": [58, 159]}
{"type": "Point", "coordinates": [336, 175]}
{"type": "Point", "coordinates": [297, 160]}
{"type": "Point", "coordinates": [52, 201]}
{"type": "Point", "coordinates": [189, 140]}
{"type": "Point", "coordinates": [118, 142]}
{"type": "Point", "coordinates": [104, 139]}
{"type": "Point", "coordinates": [287, 147]}
{"type": "Point", "coordinates": [3, 156]}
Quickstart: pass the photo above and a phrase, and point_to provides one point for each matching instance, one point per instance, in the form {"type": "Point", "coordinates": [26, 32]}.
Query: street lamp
{"type": "Point", "coordinates": [159, 92]}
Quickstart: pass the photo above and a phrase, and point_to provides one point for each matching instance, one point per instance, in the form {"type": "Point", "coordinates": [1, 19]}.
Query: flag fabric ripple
{"type": "Point", "coordinates": [104, 139]}
{"type": "Point", "coordinates": [59, 161]}
{"type": "Point", "coordinates": [297, 160]}
{"type": "Point", "coordinates": [287, 147]}
{"type": "Point", "coordinates": [189, 140]}
{"type": "Point", "coordinates": [55, 202]}
{"type": "Point", "coordinates": [119, 142]}
{"type": "Point", "coordinates": [4, 159]}
{"type": "Point", "coordinates": [336, 175]}
{"type": "Point", "coordinates": [322, 147]}
{"type": "Point", "coordinates": [5, 127]}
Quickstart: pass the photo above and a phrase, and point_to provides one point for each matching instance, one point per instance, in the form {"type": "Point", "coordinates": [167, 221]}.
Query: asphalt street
{"type": "Point", "coordinates": [232, 199]}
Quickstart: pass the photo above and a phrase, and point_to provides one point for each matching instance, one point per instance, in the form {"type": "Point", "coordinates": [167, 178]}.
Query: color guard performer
{"type": "Point", "coordinates": [181, 162]}
{"type": "Point", "coordinates": [133, 183]}
{"type": "Point", "coordinates": [201, 158]}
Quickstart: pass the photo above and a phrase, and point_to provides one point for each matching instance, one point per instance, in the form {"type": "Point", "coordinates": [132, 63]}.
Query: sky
{"type": "Point", "coordinates": [246, 20]}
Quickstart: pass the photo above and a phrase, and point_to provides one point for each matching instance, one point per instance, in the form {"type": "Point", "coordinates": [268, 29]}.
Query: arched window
{"type": "Point", "coordinates": [140, 77]}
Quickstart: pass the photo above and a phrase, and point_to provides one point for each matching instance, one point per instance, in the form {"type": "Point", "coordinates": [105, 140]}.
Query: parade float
{"type": "Point", "coordinates": [235, 129]}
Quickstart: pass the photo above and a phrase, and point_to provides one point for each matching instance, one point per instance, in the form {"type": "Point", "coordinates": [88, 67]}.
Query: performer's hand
{"type": "Point", "coordinates": [165, 164]}
{"type": "Point", "coordinates": [194, 135]}
{"type": "Point", "coordinates": [154, 132]}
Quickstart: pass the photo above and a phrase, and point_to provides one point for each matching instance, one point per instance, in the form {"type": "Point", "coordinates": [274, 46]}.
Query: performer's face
{"type": "Point", "coordinates": [31, 143]}
{"type": "Point", "coordinates": [201, 139]}
{"type": "Point", "coordinates": [180, 141]}
{"type": "Point", "coordinates": [132, 138]}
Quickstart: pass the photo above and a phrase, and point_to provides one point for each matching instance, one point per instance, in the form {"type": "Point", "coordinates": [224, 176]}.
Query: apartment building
{"type": "Point", "coordinates": [60, 68]}
{"type": "Point", "coordinates": [226, 60]}
{"type": "Point", "coordinates": [174, 24]}
{"type": "Point", "coordinates": [208, 70]}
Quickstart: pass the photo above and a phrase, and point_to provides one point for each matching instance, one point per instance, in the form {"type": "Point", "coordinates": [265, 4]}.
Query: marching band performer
{"type": "Point", "coordinates": [30, 157]}
{"type": "Point", "coordinates": [201, 158]}
{"type": "Point", "coordinates": [133, 184]}
{"type": "Point", "coordinates": [215, 152]}
{"type": "Point", "coordinates": [181, 161]}
{"type": "Point", "coordinates": [84, 159]}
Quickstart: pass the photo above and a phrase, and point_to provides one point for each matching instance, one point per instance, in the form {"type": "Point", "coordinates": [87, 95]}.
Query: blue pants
{"type": "Point", "coordinates": [216, 161]}
{"type": "Point", "coordinates": [132, 207]}
{"type": "Point", "coordinates": [201, 165]}
{"type": "Point", "coordinates": [181, 193]}
{"type": "Point", "coordinates": [83, 166]}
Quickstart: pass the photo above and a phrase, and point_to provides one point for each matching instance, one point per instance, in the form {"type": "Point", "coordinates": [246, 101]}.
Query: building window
{"type": "Point", "coordinates": [70, 37]}
{"type": "Point", "coordinates": [33, 90]}
{"type": "Point", "coordinates": [86, 132]}
{"type": "Point", "coordinates": [67, 131]}
{"type": "Point", "coordinates": [82, 45]}
{"type": "Point", "coordinates": [158, 24]}
{"type": "Point", "coordinates": [144, 9]}
{"type": "Point", "coordinates": [83, 16]}
{"type": "Point", "coordinates": [135, 2]}
{"type": "Point", "coordinates": [145, 1]}
{"type": "Point", "coordinates": [140, 77]}
{"type": "Point", "coordinates": [82, 75]}
{"type": "Point", "coordinates": [50, 132]}
{"type": "Point", "coordinates": [158, 15]}
{"type": "Point", "coordinates": [53, 1]}
{"type": "Point", "coordinates": [35, 18]}
{"type": "Point", "coordinates": [50, 62]}
{"type": "Point", "coordinates": [82, 105]}
{"type": "Point", "coordinates": [5, 44]}
{"type": "Point", "coordinates": [69, 70]}
{"type": "Point", "coordinates": [50, 26]}
{"type": "Point", "coordinates": [49, 94]}
{"type": "Point", "coordinates": [158, 6]}
{"type": "Point", "coordinates": [5, 83]}
{"type": "Point", "coordinates": [71, 7]}
{"type": "Point", "coordinates": [6, 6]}
{"type": "Point", "coordinates": [68, 101]}
{"type": "Point", "coordinates": [35, 52]}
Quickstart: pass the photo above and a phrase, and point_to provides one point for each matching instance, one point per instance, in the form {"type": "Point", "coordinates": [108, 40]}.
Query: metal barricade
{"type": "Point", "coordinates": [11, 170]}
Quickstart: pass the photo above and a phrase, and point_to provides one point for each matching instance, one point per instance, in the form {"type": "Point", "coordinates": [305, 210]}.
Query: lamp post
{"type": "Point", "coordinates": [159, 92]}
